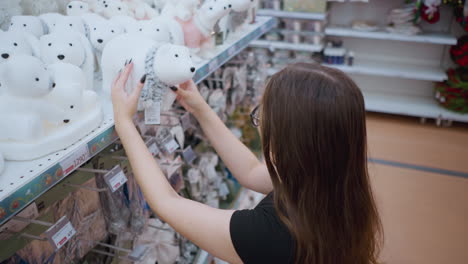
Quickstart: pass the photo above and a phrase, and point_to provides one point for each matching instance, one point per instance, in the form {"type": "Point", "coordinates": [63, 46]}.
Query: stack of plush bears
{"type": "Point", "coordinates": [48, 63]}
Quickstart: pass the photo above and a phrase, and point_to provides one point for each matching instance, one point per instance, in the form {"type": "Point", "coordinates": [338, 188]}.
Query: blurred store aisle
{"type": "Point", "coordinates": [425, 214]}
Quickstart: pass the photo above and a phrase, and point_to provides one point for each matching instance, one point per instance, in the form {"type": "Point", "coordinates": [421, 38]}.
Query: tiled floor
{"type": "Point", "coordinates": [425, 214]}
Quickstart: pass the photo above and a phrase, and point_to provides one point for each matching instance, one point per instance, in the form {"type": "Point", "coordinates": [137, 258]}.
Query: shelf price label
{"type": "Point", "coordinates": [78, 157]}
{"type": "Point", "coordinates": [189, 155]}
{"type": "Point", "coordinates": [60, 233]}
{"type": "Point", "coordinates": [115, 178]}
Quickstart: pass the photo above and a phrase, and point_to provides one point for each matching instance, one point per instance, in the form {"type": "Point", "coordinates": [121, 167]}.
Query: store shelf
{"type": "Point", "coordinates": [22, 182]}
{"type": "Point", "coordinates": [292, 15]}
{"type": "Point", "coordinates": [425, 107]}
{"type": "Point", "coordinates": [431, 38]}
{"type": "Point", "coordinates": [287, 46]}
{"type": "Point", "coordinates": [399, 70]}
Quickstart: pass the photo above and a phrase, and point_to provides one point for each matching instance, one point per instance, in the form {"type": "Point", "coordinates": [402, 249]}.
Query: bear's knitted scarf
{"type": "Point", "coordinates": [153, 90]}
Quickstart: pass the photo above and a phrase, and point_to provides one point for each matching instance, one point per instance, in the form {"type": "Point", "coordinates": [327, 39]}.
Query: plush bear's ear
{"type": "Point", "coordinates": [177, 34]}
{"type": "Point", "coordinates": [34, 42]}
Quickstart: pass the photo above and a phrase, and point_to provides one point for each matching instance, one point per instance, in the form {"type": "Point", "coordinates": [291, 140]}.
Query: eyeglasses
{"type": "Point", "coordinates": [254, 116]}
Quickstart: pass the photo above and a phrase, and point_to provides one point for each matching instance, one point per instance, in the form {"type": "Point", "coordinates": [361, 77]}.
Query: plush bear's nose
{"type": "Point", "coordinates": [5, 55]}
{"type": "Point", "coordinates": [192, 69]}
{"type": "Point", "coordinates": [99, 40]}
{"type": "Point", "coordinates": [61, 57]}
{"type": "Point", "coordinates": [230, 6]}
{"type": "Point", "coordinates": [66, 121]}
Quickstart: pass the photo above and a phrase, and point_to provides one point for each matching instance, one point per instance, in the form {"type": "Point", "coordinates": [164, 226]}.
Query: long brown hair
{"type": "Point", "coordinates": [313, 131]}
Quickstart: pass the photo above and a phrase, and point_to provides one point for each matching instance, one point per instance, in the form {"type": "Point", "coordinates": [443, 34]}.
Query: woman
{"type": "Point", "coordinates": [319, 206]}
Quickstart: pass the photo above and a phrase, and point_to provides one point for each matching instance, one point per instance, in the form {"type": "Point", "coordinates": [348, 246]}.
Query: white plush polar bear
{"type": "Point", "coordinates": [70, 93]}
{"type": "Point", "coordinates": [67, 23]}
{"type": "Point", "coordinates": [29, 24]}
{"type": "Point", "coordinates": [22, 105]}
{"type": "Point", "coordinates": [17, 42]}
{"type": "Point", "coordinates": [164, 65]}
{"type": "Point", "coordinates": [25, 76]}
{"type": "Point", "coordinates": [69, 47]}
{"type": "Point", "coordinates": [115, 8]}
{"type": "Point", "coordinates": [49, 20]}
{"type": "Point", "coordinates": [101, 32]}
{"type": "Point", "coordinates": [77, 8]}
{"type": "Point", "coordinates": [158, 29]}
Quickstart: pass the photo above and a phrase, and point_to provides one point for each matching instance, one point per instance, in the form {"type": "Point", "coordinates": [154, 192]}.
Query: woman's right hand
{"type": "Point", "coordinates": [190, 98]}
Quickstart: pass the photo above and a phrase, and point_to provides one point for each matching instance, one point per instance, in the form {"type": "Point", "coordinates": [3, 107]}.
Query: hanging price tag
{"type": "Point", "coordinates": [170, 145]}
{"type": "Point", "coordinates": [186, 121]}
{"type": "Point", "coordinates": [60, 233]}
{"type": "Point", "coordinates": [213, 65]}
{"type": "Point", "coordinates": [78, 157]}
{"type": "Point", "coordinates": [153, 114]}
{"type": "Point", "coordinates": [153, 147]}
{"type": "Point", "coordinates": [115, 178]}
{"type": "Point", "coordinates": [189, 155]}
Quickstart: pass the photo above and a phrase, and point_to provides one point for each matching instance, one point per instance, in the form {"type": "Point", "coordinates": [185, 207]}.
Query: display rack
{"type": "Point", "coordinates": [416, 106]}
{"type": "Point", "coordinates": [399, 70]}
{"type": "Point", "coordinates": [22, 182]}
{"type": "Point", "coordinates": [292, 15]}
{"type": "Point", "coordinates": [430, 38]}
{"type": "Point", "coordinates": [272, 45]}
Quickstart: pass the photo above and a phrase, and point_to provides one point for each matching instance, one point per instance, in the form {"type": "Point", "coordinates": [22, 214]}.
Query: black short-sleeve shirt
{"type": "Point", "coordinates": [259, 236]}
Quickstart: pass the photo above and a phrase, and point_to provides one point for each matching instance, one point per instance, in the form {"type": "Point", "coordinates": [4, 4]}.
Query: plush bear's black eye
{"type": "Point", "coordinates": [81, 7]}
{"type": "Point", "coordinates": [141, 29]}
{"type": "Point", "coordinates": [106, 6]}
{"type": "Point", "coordinates": [112, 31]}
{"type": "Point", "coordinates": [15, 44]}
{"type": "Point", "coordinates": [211, 8]}
{"type": "Point", "coordinates": [71, 106]}
{"type": "Point", "coordinates": [119, 8]}
{"type": "Point", "coordinates": [50, 44]}
{"type": "Point", "coordinates": [11, 24]}
{"type": "Point", "coordinates": [177, 55]}
{"type": "Point", "coordinates": [71, 45]}
{"type": "Point", "coordinates": [70, 6]}
{"type": "Point", "coordinates": [37, 79]}
{"type": "Point", "coordinates": [157, 29]}
{"type": "Point", "coordinates": [94, 28]}
{"type": "Point", "coordinates": [24, 25]}
{"type": "Point", "coordinates": [53, 85]}
{"type": "Point", "coordinates": [71, 25]}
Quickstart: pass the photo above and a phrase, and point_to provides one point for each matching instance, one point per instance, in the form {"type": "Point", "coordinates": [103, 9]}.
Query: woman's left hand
{"type": "Point", "coordinates": [124, 104]}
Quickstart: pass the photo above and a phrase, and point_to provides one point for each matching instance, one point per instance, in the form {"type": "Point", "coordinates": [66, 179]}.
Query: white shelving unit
{"type": "Point", "coordinates": [272, 45]}
{"type": "Point", "coordinates": [386, 69]}
{"type": "Point", "coordinates": [395, 71]}
{"type": "Point", "coordinates": [430, 38]}
{"type": "Point", "coordinates": [22, 182]}
{"type": "Point", "coordinates": [292, 15]}
{"type": "Point", "coordinates": [417, 106]}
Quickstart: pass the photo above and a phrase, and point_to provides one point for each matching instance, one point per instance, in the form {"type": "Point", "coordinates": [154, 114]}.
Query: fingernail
{"type": "Point", "coordinates": [143, 79]}
{"type": "Point", "coordinates": [130, 61]}
{"type": "Point", "coordinates": [173, 88]}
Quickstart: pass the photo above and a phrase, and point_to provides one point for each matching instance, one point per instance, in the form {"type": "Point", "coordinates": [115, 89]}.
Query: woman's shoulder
{"type": "Point", "coordinates": [259, 235]}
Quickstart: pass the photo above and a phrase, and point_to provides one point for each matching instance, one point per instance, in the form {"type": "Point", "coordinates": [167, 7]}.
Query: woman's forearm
{"type": "Point", "coordinates": [148, 174]}
{"type": "Point", "coordinates": [237, 157]}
